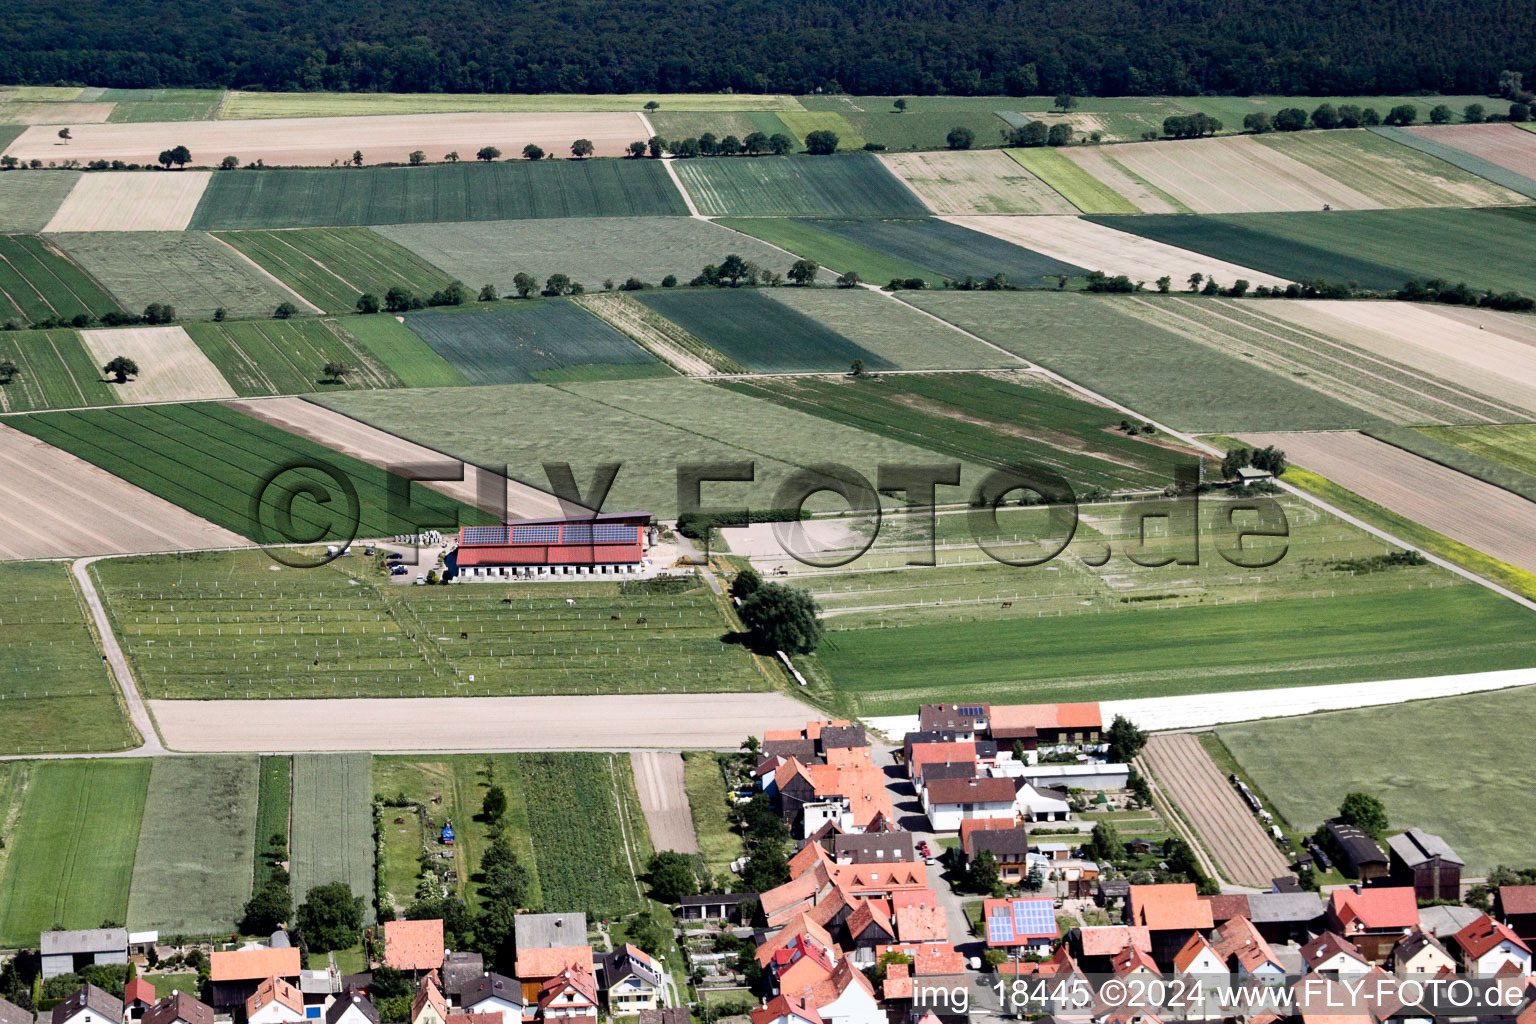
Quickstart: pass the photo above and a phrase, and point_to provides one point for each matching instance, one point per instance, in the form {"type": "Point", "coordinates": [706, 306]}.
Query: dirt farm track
{"type": "Point", "coordinates": [654, 721]}
{"type": "Point", "coordinates": [659, 781]}
{"type": "Point", "coordinates": [1211, 805]}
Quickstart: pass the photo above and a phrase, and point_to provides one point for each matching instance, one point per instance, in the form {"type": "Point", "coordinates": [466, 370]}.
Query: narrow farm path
{"type": "Point", "coordinates": [138, 712]}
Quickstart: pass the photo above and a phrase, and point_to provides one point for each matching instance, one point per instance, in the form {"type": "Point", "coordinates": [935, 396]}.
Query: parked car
{"type": "Point", "coordinates": [398, 570]}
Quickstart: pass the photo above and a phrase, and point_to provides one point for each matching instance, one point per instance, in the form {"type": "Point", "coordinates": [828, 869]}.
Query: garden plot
{"type": "Point", "coordinates": [131, 201]}
{"type": "Point", "coordinates": [1501, 144]}
{"type": "Point", "coordinates": [87, 510]}
{"type": "Point", "coordinates": [327, 141]}
{"type": "Point", "coordinates": [1084, 243]}
{"type": "Point", "coordinates": [975, 182]}
{"type": "Point", "coordinates": [29, 200]}
{"type": "Point", "coordinates": [171, 366]}
{"type": "Point", "coordinates": [1458, 506]}
{"type": "Point", "coordinates": [589, 250]}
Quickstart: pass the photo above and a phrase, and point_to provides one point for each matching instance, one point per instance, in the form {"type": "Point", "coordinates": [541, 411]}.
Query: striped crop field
{"type": "Point", "coordinates": [288, 357]}
{"type": "Point", "coordinates": [333, 824]}
{"type": "Point", "coordinates": [332, 267]}
{"type": "Point", "coordinates": [54, 370]}
{"type": "Point", "coordinates": [855, 185]}
{"type": "Point", "coordinates": [38, 282]}
{"type": "Point", "coordinates": [730, 321]}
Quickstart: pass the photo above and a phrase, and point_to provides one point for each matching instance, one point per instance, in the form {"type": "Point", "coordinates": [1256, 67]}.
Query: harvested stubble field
{"type": "Point", "coordinates": [1378, 249]}
{"type": "Point", "coordinates": [1281, 757]}
{"type": "Point", "coordinates": [54, 370]}
{"type": "Point", "coordinates": [212, 461]}
{"type": "Point", "coordinates": [1101, 343]}
{"type": "Point", "coordinates": [326, 141]}
{"type": "Point", "coordinates": [662, 423]}
{"type": "Point", "coordinates": [388, 340]}
{"type": "Point", "coordinates": [1453, 504]}
{"type": "Point", "coordinates": [532, 341]}
{"type": "Point", "coordinates": [590, 250]}
{"type": "Point", "coordinates": [506, 190]}
{"type": "Point", "coordinates": [335, 104]}
{"type": "Point", "coordinates": [38, 282]}
{"type": "Point", "coordinates": [192, 873]}
{"type": "Point", "coordinates": [956, 252]}
{"type": "Point", "coordinates": [56, 694]}
{"type": "Point", "coordinates": [69, 858]}
{"type": "Point", "coordinates": [988, 419]}
{"type": "Point", "coordinates": [131, 201]}
{"type": "Point", "coordinates": [332, 267]}
{"type": "Point", "coordinates": [189, 270]}
{"type": "Point", "coordinates": [228, 626]}
{"type": "Point", "coordinates": [657, 335]}
{"type": "Point", "coordinates": [1501, 144]}
{"type": "Point", "coordinates": [1465, 159]}
{"type": "Point", "coordinates": [732, 321]}
{"type": "Point", "coordinates": [833, 252]}
{"type": "Point", "coordinates": [1093, 246]}
{"type": "Point", "coordinates": [171, 366]}
{"type": "Point", "coordinates": [288, 357]}
{"type": "Point", "coordinates": [57, 504]}
{"type": "Point", "coordinates": [907, 338]}
{"type": "Point", "coordinates": [1389, 174]}
{"type": "Point", "coordinates": [28, 200]}
{"type": "Point", "coordinates": [974, 182]}
{"type": "Point", "coordinates": [274, 795]}
{"type": "Point", "coordinates": [852, 185]}
{"type": "Point", "coordinates": [1091, 192]}
{"type": "Point", "coordinates": [1097, 164]}
{"type": "Point", "coordinates": [333, 824]}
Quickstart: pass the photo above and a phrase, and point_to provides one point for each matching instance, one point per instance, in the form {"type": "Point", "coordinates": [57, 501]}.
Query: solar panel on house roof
{"type": "Point", "coordinates": [1000, 928]}
{"type": "Point", "coordinates": [1033, 917]}
{"type": "Point", "coordinates": [535, 534]}
{"type": "Point", "coordinates": [972, 712]}
{"type": "Point", "coordinates": [485, 535]}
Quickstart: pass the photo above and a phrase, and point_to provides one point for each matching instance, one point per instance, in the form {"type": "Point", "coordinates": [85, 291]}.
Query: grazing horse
{"type": "Point", "coordinates": [1007, 604]}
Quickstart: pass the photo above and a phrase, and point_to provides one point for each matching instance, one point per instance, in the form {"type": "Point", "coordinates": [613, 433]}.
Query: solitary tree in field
{"type": "Point", "coordinates": [178, 155]}
{"type": "Point", "coordinates": [284, 310]}
{"type": "Point", "coordinates": [417, 158]}
{"type": "Point", "coordinates": [652, 105]}
{"type": "Point", "coordinates": [64, 134]}
{"type": "Point", "coordinates": [1066, 101]}
{"type": "Point", "coordinates": [532, 152]}
{"type": "Point", "coordinates": [335, 371]}
{"type": "Point", "coordinates": [229, 163]}
{"type": "Point", "coordinates": [1402, 114]}
{"type": "Point", "coordinates": [581, 148]}
{"type": "Point", "coordinates": [820, 143]}
{"type": "Point", "coordinates": [1164, 283]}
{"type": "Point", "coordinates": [120, 369]}
{"type": "Point", "coordinates": [856, 368]}
{"type": "Point", "coordinates": [960, 138]}
{"type": "Point", "coordinates": [708, 144]}
{"type": "Point", "coordinates": [451, 158]}
{"type": "Point", "coordinates": [367, 303]}
{"type": "Point", "coordinates": [1519, 112]}
{"type": "Point", "coordinates": [7, 371]}
{"type": "Point", "coordinates": [488, 153]}
{"type": "Point", "coordinates": [782, 618]}
{"type": "Point", "coordinates": [357, 158]}
{"type": "Point", "coordinates": [803, 272]}
{"type": "Point", "coordinates": [900, 104]}
{"type": "Point", "coordinates": [488, 293]}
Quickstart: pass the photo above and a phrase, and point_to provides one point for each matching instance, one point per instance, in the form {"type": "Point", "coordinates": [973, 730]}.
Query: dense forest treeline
{"type": "Point", "coordinates": [1086, 47]}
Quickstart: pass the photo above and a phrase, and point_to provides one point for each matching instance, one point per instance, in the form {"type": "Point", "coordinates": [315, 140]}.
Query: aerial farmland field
{"type": "Point", "coordinates": [532, 341]}
{"type": "Point", "coordinates": [332, 267]}
{"type": "Point", "coordinates": [332, 104]}
{"type": "Point", "coordinates": [54, 370]}
{"type": "Point", "coordinates": [853, 185]}
{"type": "Point", "coordinates": [274, 794]}
{"type": "Point", "coordinates": [288, 357]}
{"type": "Point", "coordinates": [923, 125]}
{"type": "Point", "coordinates": [131, 201]}
{"type": "Point", "coordinates": [192, 873]}
{"type": "Point", "coordinates": [400, 351]}
{"type": "Point", "coordinates": [731, 320]}
{"type": "Point", "coordinates": [171, 366]}
{"type": "Point", "coordinates": [189, 270]}
{"type": "Point", "coordinates": [1501, 144]}
{"type": "Point", "coordinates": [29, 201]}
{"type": "Point", "coordinates": [975, 182]}
{"type": "Point", "coordinates": [831, 251]}
{"type": "Point", "coordinates": [1088, 192]}
{"type": "Point", "coordinates": [55, 694]}
{"type": "Point", "coordinates": [590, 250]}
{"type": "Point", "coordinates": [38, 282]}
{"type": "Point", "coordinates": [333, 824]}
{"type": "Point", "coordinates": [506, 190]}
{"type": "Point", "coordinates": [70, 855]}
{"type": "Point", "coordinates": [894, 331]}
{"type": "Point", "coordinates": [802, 122]}
{"type": "Point", "coordinates": [1466, 157]}
{"type": "Point", "coordinates": [1508, 444]}
{"type": "Point", "coordinates": [956, 252]}
{"type": "Point", "coordinates": [600, 881]}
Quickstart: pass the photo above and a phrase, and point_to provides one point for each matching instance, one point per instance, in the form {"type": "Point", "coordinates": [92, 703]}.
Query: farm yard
{"type": "Point", "coordinates": [332, 839]}
{"type": "Point", "coordinates": [1280, 756]}
{"type": "Point", "coordinates": [894, 331]}
{"type": "Point", "coordinates": [37, 282]}
{"type": "Point", "coordinates": [956, 252]}
{"type": "Point", "coordinates": [69, 857]}
{"type": "Point", "coordinates": [331, 268]}
{"type": "Point", "coordinates": [131, 201]}
{"type": "Point", "coordinates": [212, 461]}
{"type": "Point", "coordinates": [975, 182]}
{"type": "Point", "coordinates": [29, 201]}
{"type": "Point", "coordinates": [731, 322]}
{"type": "Point", "coordinates": [540, 341]}
{"type": "Point", "coordinates": [53, 370]}
{"type": "Point", "coordinates": [590, 250]}
{"type": "Point", "coordinates": [437, 193]}
{"type": "Point", "coordinates": [833, 252]}
{"type": "Point", "coordinates": [55, 694]}
{"type": "Point", "coordinates": [171, 366]}
{"type": "Point", "coordinates": [192, 872]}
{"type": "Point", "coordinates": [854, 185]}
{"type": "Point", "coordinates": [189, 270]}
{"type": "Point", "coordinates": [286, 357]}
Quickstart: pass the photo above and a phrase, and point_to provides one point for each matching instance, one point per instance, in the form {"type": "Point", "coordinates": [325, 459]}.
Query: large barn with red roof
{"type": "Point", "coordinates": [607, 544]}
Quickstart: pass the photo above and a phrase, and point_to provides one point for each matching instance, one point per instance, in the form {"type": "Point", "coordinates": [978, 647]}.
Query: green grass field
{"type": "Point", "coordinates": [731, 321]}
{"type": "Point", "coordinates": [684, 124]}
{"type": "Point", "coordinates": [141, 105]}
{"type": "Point", "coordinates": [190, 270]}
{"type": "Point", "coordinates": [37, 282]}
{"type": "Point", "coordinates": [29, 199]}
{"type": "Point", "coordinates": [55, 694]}
{"type": "Point", "coordinates": [1080, 188]}
{"type": "Point", "coordinates": [340, 104]}
{"type": "Point", "coordinates": [802, 122]}
{"type": "Point", "coordinates": [832, 251]}
{"type": "Point", "coordinates": [710, 805]}
{"type": "Point", "coordinates": [332, 267]}
{"type": "Point", "coordinates": [1379, 249]}
{"type": "Point", "coordinates": [239, 629]}
{"type": "Point", "coordinates": [214, 461]}
{"type": "Point", "coordinates": [924, 124]}
{"type": "Point", "coordinates": [440, 192]}
{"type": "Point", "coordinates": [333, 824]}
{"type": "Point", "coordinates": [892, 330]}
{"type": "Point", "coordinates": [288, 357]}
{"type": "Point", "coordinates": [54, 370]}
{"type": "Point", "coordinates": [952, 251]}
{"type": "Point", "coordinates": [399, 350]}
{"type": "Point", "coordinates": [856, 185]}
{"type": "Point", "coordinates": [1508, 444]}
{"type": "Point", "coordinates": [69, 856]}
{"type": "Point", "coordinates": [1281, 756]}
{"type": "Point", "coordinates": [274, 790]}
{"type": "Point", "coordinates": [532, 341]}
{"type": "Point", "coordinates": [987, 421]}
{"type": "Point", "coordinates": [1097, 342]}
{"type": "Point", "coordinates": [591, 250]}
{"type": "Point", "coordinates": [192, 872]}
